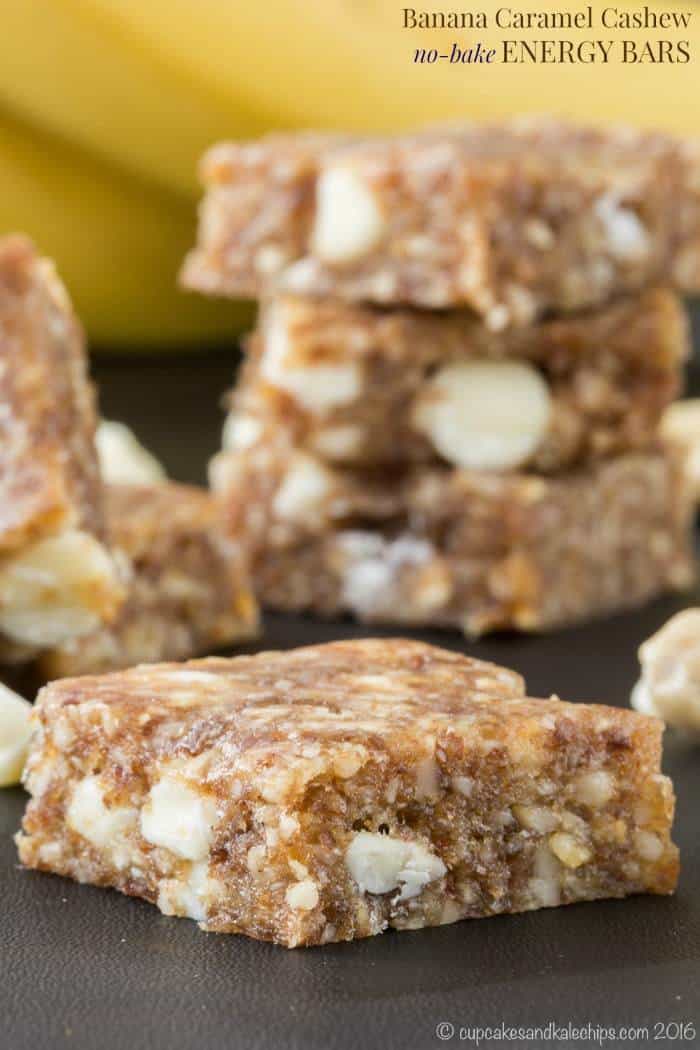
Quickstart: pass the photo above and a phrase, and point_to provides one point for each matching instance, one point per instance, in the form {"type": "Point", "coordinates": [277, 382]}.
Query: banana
{"type": "Point", "coordinates": [63, 70]}
{"type": "Point", "coordinates": [350, 64]}
{"type": "Point", "coordinates": [105, 106]}
{"type": "Point", "coordinates": [117, 243]}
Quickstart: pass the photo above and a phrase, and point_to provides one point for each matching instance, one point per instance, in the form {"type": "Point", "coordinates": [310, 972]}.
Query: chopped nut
{"type": "Point", "coordinates": [569, 851]}
{"type": "Point", "coordinates": [536, 818]}
{"type": "Point", "coordinates": [123, 459]}
{"type": "Point", "coordinates": [56, 589]}
{"type": "Point", "coordinates": [381, 863]}
{"type": "Point", "coordinates": [670, 683]}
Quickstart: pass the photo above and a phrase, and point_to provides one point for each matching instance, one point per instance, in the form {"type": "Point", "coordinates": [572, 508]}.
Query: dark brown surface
{"type": "Point", "coordinates": [84, 968]}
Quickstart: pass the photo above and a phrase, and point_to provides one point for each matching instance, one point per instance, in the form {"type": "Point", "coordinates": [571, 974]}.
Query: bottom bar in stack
{"type": "Point", "coordinates": [437, 546]}
{"type": "Point", "coordinates": [188, 590]}
{"type": "Point", "coordinates": [331, 792]}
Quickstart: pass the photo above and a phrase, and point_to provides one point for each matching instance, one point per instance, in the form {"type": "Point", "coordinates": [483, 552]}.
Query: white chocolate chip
{"type": "Point", "coordinates": [627, 237]}
{"type": "Point", "coordinates": [318, 386]}
{"type": "Point", "coordinates": [670, 684]}
{"type": "Point", "coordinates": [15, 731]}
{"type": "Point", "coordinates": [178, 818]}
{"type": "Point", "coordinates": [88, 815]}
{"type": "Point", "coordinates": [382, 863]}
{"type": "Point", "coordinates": [594, 789]}
{"type": "Point", "coordinates": [123, 459]}
{"type": "Point", "coordinates": [303, 491]}
{"type": "Point", "coordinates": [648, 846]}
{"type": "Point", "coordinates": [348, 222]}
{"type": "Point", "coordinates": [240, 431]}
{"type": "Point", "coordinates": [302, 896]}
{"type": "Point", "coordinates": [569, 850]}
{"type": "Point", "coordinates": [485, 415]}
{"type": "Point", "coordinates": [56, 589]}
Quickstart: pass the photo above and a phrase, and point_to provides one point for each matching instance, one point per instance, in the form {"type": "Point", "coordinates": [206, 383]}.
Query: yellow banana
{"type": "Point", "coordinates": [117, 244]}
{"type": "Point", "coordinates": [64, 70]}
{"type": "Point", "coordinates": [349, 63]}
{"type": "Point", "coordinates": [109, 103]}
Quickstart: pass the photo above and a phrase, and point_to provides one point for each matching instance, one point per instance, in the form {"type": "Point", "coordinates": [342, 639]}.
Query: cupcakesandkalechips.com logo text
{"type": "Point", "coordinates": [678, 1032]}
{"type": "Point", "coordinates": [586, 36]}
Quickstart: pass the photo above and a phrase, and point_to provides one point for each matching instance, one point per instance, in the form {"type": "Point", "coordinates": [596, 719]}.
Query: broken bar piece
{"type": "Point", "coordinates": [330, 792]}
{"type": "Point", "coordinates": [188, 591]}
{"type": "Point", "coordinates": [57, 579]}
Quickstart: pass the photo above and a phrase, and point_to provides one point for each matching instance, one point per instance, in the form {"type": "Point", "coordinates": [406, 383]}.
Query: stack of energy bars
{"type": "Point", "coordinates": [449, 411]}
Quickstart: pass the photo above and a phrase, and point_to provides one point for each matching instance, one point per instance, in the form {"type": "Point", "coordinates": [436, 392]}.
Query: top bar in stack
{"type": "Point", "coordinates": [57, 579]}
{"type": "Point", "coordinates": [514, 221]}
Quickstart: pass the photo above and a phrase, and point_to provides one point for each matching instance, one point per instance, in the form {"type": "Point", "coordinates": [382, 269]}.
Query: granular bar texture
{"type": "Point", "coordinates": [188, 591]}
{"type": "Point", "coordinates": [514, 220]}
{"type": "Point", "coordinates": [57, 579]}
{"type": "Point", "coordinates": [367, 387]}
{"type": "Point", "coordinates": [436, 546]}
{"type": "Point", "coordinates": [328, 793]}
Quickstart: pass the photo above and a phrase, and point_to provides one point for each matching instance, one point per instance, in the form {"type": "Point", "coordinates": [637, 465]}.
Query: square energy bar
{"type": "Point", "coordinates": [361, 386]}
{"type": "Point", "coordinates": [188, 589]}
{"type": "Point", "coordinates": [57, 579]}
{"type": "Point", "coordinates": [330, 792]}
{"type": "Point", "coordinates": [448, 547]}
{"type": "Point", "coordinates": [515, 220]}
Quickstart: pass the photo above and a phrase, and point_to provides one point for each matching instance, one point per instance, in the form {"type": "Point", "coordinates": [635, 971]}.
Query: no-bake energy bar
{"type": "Point", "coordinates": [514, 221]}
{"type": "Point", "coordinates": [328, 793]}
{"type": "Point", "coordinates": [187, 586]}
{"type": "Point", "coordinates": [57, 579]}
{"type": "Point", "coordinates": [441, 546]}
{"type": "Point", "coordinates": [361, 386]}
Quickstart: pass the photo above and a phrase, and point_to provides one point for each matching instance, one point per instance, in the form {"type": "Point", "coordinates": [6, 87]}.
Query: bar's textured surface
{"type": "Point", "coordinates": [188, 589]}
{"type": "Point", "coordinates": [56, 578]}
{"type": "Point", "coordinates": [368, 387]}
{"type": "Point", "coordinates": [445, 547]}
{"type": "Point", "coordinates": [513, 220]}
{"type": "Point", "coordinates": [326, 793]}
{"type": "Point", "coordinates": [48, 466]}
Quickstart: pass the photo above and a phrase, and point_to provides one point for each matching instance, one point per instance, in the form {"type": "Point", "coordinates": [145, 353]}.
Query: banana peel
{"type": "Point", "coordinates": [118, 244]}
